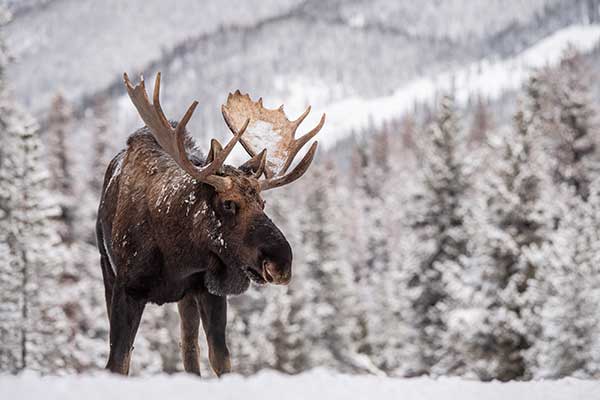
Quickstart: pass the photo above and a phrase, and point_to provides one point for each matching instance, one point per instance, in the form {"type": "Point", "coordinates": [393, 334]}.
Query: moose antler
{"type": "Point", "coordinates": [272, 130]}
{"type": "Point", "coordinates": [256, 164]}
{"type": "Point", "coordinates": [172, 139]}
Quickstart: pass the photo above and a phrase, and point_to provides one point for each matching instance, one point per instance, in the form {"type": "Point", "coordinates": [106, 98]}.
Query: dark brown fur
{"type": "Point", "coordinates": [163, 237]}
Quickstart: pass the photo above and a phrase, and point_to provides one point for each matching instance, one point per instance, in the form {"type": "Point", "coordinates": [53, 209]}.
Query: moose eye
{"type": "Point", "coordinates": [229, 206]}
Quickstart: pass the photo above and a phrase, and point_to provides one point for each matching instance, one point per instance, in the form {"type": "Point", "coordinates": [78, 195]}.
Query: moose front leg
{"type": "Point", "coordinates": [189, 315]}
{"type": "Point", "coordinates": [213, 311]}
{"type": "Point", "coordinates": [125, 315]}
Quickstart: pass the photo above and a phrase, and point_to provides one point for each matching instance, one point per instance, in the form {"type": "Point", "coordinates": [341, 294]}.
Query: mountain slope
{"type": "Point", "coordinates": [336, 55]}
{"type": "Point", "coordinates": [488, 78]}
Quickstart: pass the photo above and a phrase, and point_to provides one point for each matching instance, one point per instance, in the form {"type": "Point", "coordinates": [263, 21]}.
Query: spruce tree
{"type": "Point", "coordinates": [438, 220]}
{"type": "Point", "coordinates": [333, 325]}
{"type": "Point", "coordinates": [564, 296]}
{"type": "Point", "coordinates": [371, 247]}
{"type": "Point", "coordinates": [35, 266]}
{"type": "Point", "coordinates": [59, 163]}
{"type": "Point", "coordinates": [36, 255]}
{"type": "Point", "coordinates": [508, 219]}
{"type": "Point", "coordinates": [562, 114]}
{"type": "Point", "coordinates": [11, 270]}
{"type": "Point", "coordinates": [103, 149]}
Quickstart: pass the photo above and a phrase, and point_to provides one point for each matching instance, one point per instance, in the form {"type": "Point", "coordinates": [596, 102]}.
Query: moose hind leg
{"type": "Point", "coordinates": [109, 280]}
{"type": "Point", "coordinates": [125, 315]}
{"type": "Point", "coordinates": [213, 311]}
{"type": "Point", "coordinates": [189, 315]}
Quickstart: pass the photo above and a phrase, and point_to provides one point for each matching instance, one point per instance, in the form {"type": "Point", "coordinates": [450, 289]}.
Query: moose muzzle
{"type": "Point", "coordinates": [275, 274]}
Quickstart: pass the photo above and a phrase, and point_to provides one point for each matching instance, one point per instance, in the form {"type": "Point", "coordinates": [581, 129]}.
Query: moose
{"type": "Point", "coordinates": [174, 226]}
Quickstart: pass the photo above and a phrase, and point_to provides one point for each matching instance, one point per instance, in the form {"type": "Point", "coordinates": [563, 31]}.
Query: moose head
{"type": "Point", "coordinates": [230, 222]}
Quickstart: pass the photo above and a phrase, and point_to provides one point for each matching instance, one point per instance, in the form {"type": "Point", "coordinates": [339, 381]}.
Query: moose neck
{"type": "Point", "coordinates": [184, 206]}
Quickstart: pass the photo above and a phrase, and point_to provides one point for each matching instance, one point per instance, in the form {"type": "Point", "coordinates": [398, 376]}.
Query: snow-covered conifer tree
{"type": "Point", "coordinates": [438, 213]}
{"type": "Point", "coordinates": [11, 270]}
{"type": "Point", "coordinates": [333, 324]}
{"type": "Point", "coordinates": [103, 149]}
{"type": "Point", "coordinates": [59, 163]}
{"type": "Point", "coordinates": [371, 247]}
{"type": "Point", "coordinates": [565, 308]}
{"type": "Point", "coordinates": [560, 104]}
{"type": "Point", "coordinates": [35, 312]}
{"type": "Point", "coordinates": [507, 219]}
{"type": "Point", "coordinates": [36, 255]}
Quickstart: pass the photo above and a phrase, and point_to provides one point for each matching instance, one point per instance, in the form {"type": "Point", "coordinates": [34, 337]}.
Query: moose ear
{"type": "Point", "coordinates": [215, 149]}
{"type": "Point", "coordinates": [255, 165]}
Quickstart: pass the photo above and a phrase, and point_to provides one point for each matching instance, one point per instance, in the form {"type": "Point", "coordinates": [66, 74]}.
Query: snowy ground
{"type": "Point", "coordinates": [318, 384]}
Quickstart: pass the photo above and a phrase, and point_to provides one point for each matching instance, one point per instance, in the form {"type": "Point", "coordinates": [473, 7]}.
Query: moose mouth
{"type": "Point", "coordinates": [249, 272]}
{"type": "Point", "coordinates": [254, 276]}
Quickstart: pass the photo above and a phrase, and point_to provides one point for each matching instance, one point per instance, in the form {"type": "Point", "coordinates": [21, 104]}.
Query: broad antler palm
{"type": "Point", "coordinates": [271, 130]}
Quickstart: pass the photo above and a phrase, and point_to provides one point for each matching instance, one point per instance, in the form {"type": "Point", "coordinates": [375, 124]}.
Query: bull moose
{"type": "Point", "coordinates": [174, 226]}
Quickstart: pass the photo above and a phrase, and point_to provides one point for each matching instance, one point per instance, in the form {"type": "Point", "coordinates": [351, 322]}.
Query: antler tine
{"type": "Point", "coordinates": [255, 165]}
{"type": "Point", "coordinates": [215, 148]}
{"type": "Point", "coordinates": [186, 117]}
{"type": "Point", "coordinates": [219, 159]}
{"type": "Point", "coordinates": [148, 113]}
{"type": "Point", "coordinates": [301, 141]}
{"type": "Point", "coordinates": [296, 173]}
{"type": "Point", "coordinates": [262, 164]}
{"type": "Point", "coordinates": [156, 100]}
{"type": "Point", "coordinates": [301, 118]}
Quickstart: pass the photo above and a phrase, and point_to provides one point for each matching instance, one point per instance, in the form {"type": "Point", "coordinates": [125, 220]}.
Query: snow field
{"type": "Point", "coordinates": [270, 385]}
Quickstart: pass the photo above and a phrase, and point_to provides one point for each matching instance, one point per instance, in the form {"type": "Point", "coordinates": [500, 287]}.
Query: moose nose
{"type": "Point", "coordinates": [275, 275]}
